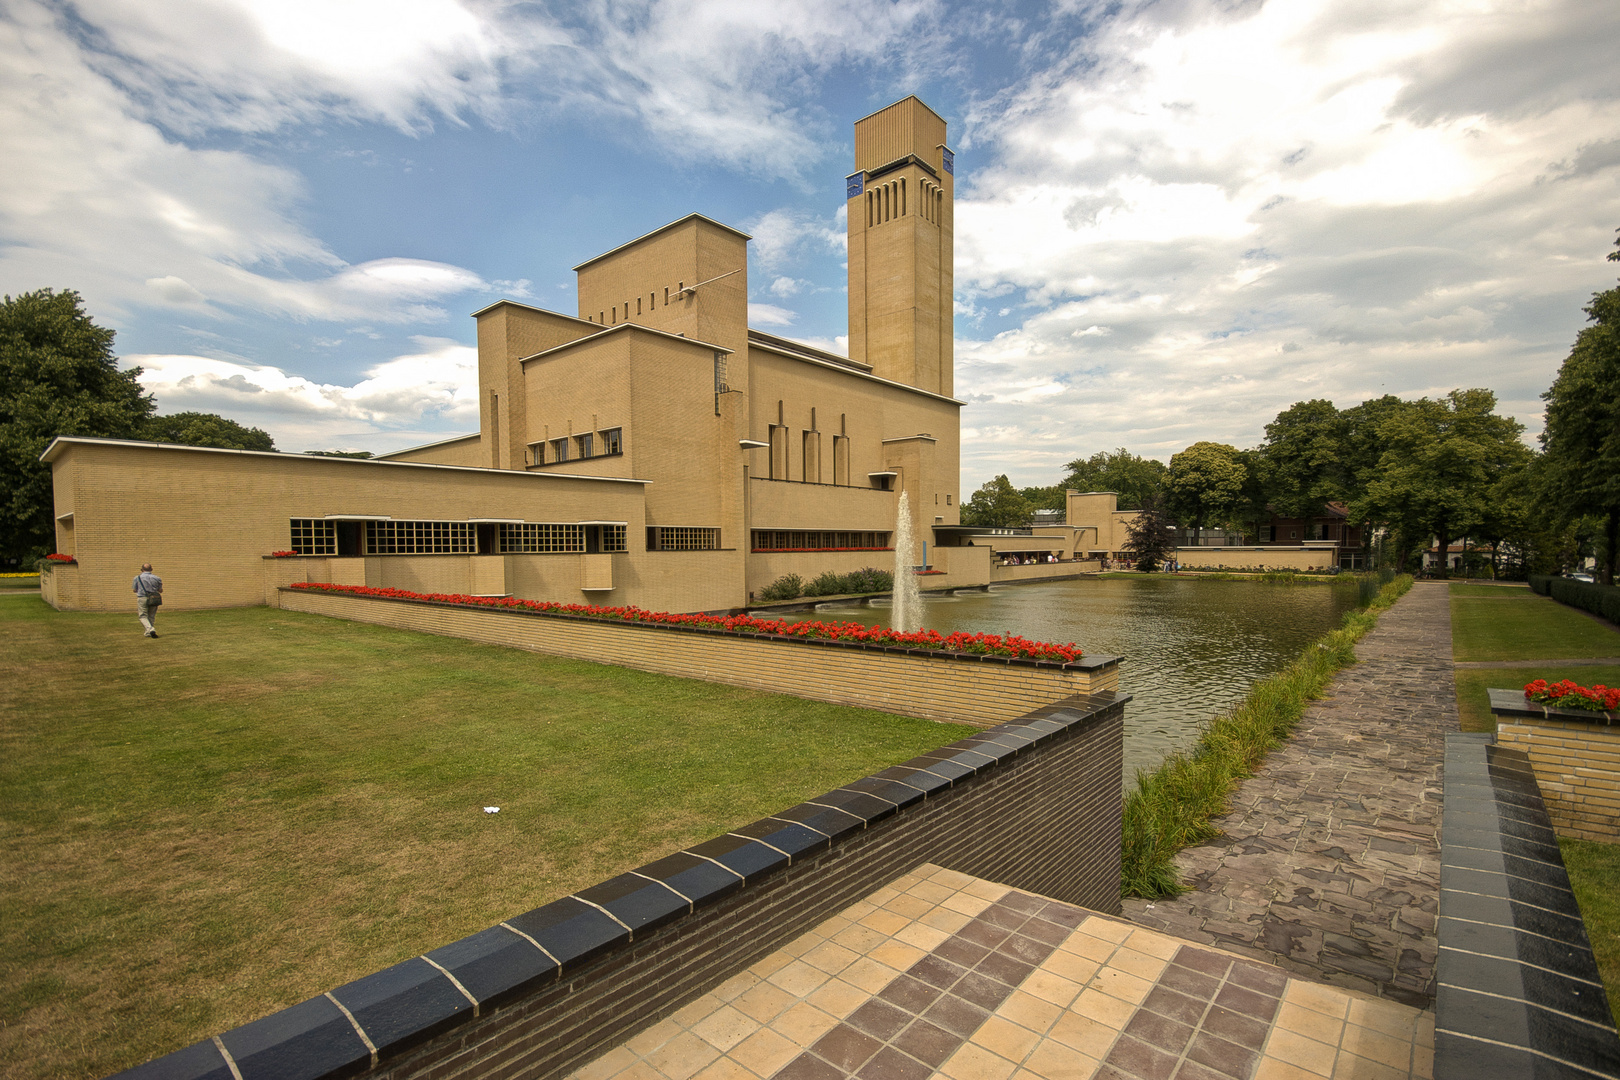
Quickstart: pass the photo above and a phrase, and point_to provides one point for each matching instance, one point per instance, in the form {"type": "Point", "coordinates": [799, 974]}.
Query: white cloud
{"type": "Point", "coordinates": [409, 399]}
{"type": "Point", "coordinates": [781, 236]}
{"type": "Point", "coordinates": [771, 315]}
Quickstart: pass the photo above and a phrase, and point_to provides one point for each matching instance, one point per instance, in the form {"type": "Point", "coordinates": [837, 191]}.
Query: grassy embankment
{"type": "Point", "coordinates": [261, 805]}
{"type": "Point", "coordinates": [19, 581]}
{"type": "Point", "coordinates": [1488, 623]}
{"type": "Point", "coordinates": [1171, 807]}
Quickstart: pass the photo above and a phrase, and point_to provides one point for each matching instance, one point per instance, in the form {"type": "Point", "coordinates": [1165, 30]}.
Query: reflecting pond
{"type": "Point", "coordinates": [1192, 647]}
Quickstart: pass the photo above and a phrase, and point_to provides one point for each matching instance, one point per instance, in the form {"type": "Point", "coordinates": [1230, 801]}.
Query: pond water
{"type": "Point", "coordinates": [1192, 647]}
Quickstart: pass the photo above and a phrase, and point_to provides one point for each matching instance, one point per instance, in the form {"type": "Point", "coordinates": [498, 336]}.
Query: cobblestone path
{"type": "Point", "coordinates": [1329, 863]}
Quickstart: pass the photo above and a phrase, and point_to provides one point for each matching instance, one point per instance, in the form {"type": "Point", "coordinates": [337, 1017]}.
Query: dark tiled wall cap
{"type": "Point", "coordinates": [308, 1040]}
{"type": "Point", "coordinates": [642, 904]}
{"type": "Point", "coordinates": [497, 965]}
{"type": "Point", "coordinates": [743, 856]}
{"type": "Point", "coordinates": [792, 839]}
{"type": "Point", "coordinates": [571, 931]}
{"type": "Point", "coordinates": [1514, 703]}
{"type": "Point", "coordinates": [199, 1061]}
{"type": "Point", "coordinates": [702, 881]}
{"type": "Point", "coordinates": [406, 1004]}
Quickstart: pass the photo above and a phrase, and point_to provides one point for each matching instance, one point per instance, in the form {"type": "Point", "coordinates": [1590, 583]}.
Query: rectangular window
{"type": "Point", "coordinates": [613, 441]}
{"type": "Point", "coordinates": [781, 540]}
{"type": "Point", "coordinates": [1268, 533]}
{"type": "Point", "coordinates": [312, 536]}
{"type": "Point", "coordinates": [420, 538]}
{"type": "Point", "coordinates": [559, 449]}
{"type": "Point", "coordinates": [1314, 531]}
{"type": "Point", "coordinates": [613, 538]}
{"type": "Point", "coordinates": [680, 538]}
{"type": "Point", "coordinates": [586, 443]}
{"type": "Point", "coordinates": [539, 538]}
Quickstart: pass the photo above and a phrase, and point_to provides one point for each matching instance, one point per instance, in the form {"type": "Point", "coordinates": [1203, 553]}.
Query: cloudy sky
{"type": "Point", "coordinates": [1174, 219]}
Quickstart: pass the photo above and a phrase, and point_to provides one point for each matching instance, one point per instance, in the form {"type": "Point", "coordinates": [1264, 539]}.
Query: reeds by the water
{"type": "Point", "coordinates": [1170, 808]}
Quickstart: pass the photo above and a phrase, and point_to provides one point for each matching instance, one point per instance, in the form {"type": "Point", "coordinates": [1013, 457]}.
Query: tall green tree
{"type": "Point", "coordinates": [1582, 435]}
{"type": "Point", "coordinates": [1441, 461]}
{"type": "Point", "coordinates": [1205, 485]}
{"type": "Point", "coordinates": [1132, 476]}
{"type": "Point", "coordinates": [58, 376]}
{"type": "Point", "coordinates": [205, 429]}
{"type": "Point", "coordinates": [1305, 461]}
{"type": "Point", "coordinates": [996, 505]}
{"type": "Point", "coordinates": [1151, 534]}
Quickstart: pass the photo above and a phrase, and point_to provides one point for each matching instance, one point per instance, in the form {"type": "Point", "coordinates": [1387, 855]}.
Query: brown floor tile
{"type": "Point", "coordinates": [936, 972]}
{"type": "Point", "coordinates": [846, 1047]}
{"type": "Point", "coordinates": [1247, 1002]}
{"type": "Point", "coordinates": [1137, 1058]}
{"type": "Point", "coordinates": [961, 951]}
{"type": "Point", "coordinates": [980, 933]}
{"type": "Point", "coordinates": [983, 991]}
{"type": "Point", "coordinates": [1176, 1006]}
{"type": "Point", "coordinates": [1267, 980]}
{"type": "Point", "coordinates": [879, 1019]}
{"type": "Point", "coordinates": [909, 994]}
{"type": "Point", "coordinates": [1024, 948]}
{"type": "Point", "coordinates": [954, 1014]}
{"type": "Point", "coordinates": [1004, 968]}
{"type": "Point", "coordinates": [1236, 1028]}
{"type": "Point", "coordinates": [809, 1067]}
{"type": "Point", "coordinates": [891, 1064]}
{"type": "Point", "coordinates": [1063, 914]}
{"type": "Point", "coordinates": [927, 1043]}
{"type": "Point", "coordinates": [1192, 1070]}
{"type": "Point", "coordinates": [1192, 983]}
{"type": "Point", "coordinates": [1159, 1031]}
{"type": "Point", "coordinates": [1222, 1056]}
{"type": "Point", "coordinates": [1210, 963]}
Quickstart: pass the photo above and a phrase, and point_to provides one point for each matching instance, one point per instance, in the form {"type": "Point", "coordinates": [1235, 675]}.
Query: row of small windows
{"type": "Point", "coordinates": [1316, 530]}
{"type": "Point", "coordinates": [315, 536]}
{"type": "Point", "coordinates": [421, 538]}
{"type": "Point", "coordinates": [682, 538]}
{"type": "Point", "coordinates": [546, 538]}
{"type": "Point", "coordinates": [885, 202]}
{"type": "Point", "coordinates": [797, 540]}
{"type": "Point", "coordinates": [614, 315]}
{"type": "Point", "coordinates": [579, 447]}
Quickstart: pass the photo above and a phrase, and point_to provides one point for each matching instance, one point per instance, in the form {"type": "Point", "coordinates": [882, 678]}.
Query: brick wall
{"type": "Point", "coordinates": [972, 689]}
{"type": "Point", "coordinates": [1034, 803]}
{"type": "Point", "coordinates": [1577, 764]}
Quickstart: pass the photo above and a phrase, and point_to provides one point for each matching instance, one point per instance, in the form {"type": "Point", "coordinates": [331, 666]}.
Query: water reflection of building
{"type": "Point", "coordinates": [651, 449]}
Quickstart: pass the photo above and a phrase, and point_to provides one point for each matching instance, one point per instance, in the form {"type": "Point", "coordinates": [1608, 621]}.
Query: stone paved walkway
{"type": "Point", "coordinates": [943, 975]}
{"type": "Point", "coordinates": [1329, 864]}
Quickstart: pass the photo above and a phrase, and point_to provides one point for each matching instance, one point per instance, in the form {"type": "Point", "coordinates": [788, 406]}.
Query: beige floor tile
{"type": "Point", "coordinates": [1309, 1023]}
{"type": "Point", "coordinates": [943, 918]}
{"type": "Point", "coordinates": [764, 1002]}
{"type": "Point", "coordinates": [1083, 1034]}
{"type": "Point", "coordinates": [1425, 1029]}
{"type": "Point", "coordinates": [987, 889]}
{"type": "Point", "coordinates": [965, 902]}
{"type": "Point", "coordinates": [1056, 1062]}
{"type": "Point", "coordinates": [1071, 966]}
{"type": "Point", "coordinates": [1005, 1039]}
{"type": "Point", "coordinates": [1092, 948]}
{"type": "Point", "coordinates": [976, 1063]}
{"type": "Point", "coordinates": [1297, 1050]}
{"type": "Point", "coordinates": [803, 1024]}
{"type": "Point", "coordinates": [858, 910]}
{"type": "Point", "coordinates": [1050, 986]}
{"type": "Point", "coordinates": [859, 938]}
{"type": "Point", "coordinates": [1104, 1009]}
{"type": "Point", "coordinates": [951, 879]}
{"type": "Point", "coordinates": [908, 879]}
{"type": "Point", "coordinates": [869, 974]}
{"type": "Point", "coordinates": [884, 922]}
{"type": "Point", "coordinates": [1386, 1016]}
{"type": "Point", "coordinates": [725, 1069]}
{"type": "Point", "coordinates": [884, 895]}
{"type": "Point", "coordinates": [897, 954]}
{"type": "Point", "coordinates": [694, 1011]}
{"type": "Point", "coordinates": [839, 998]}
{"type": "Point", "coordinates": [766, 966]}
{"type": "Point", "coordinates": [1323, 999]}
{"type": "Point", "coordinates": [608, 1065]}
{"type": "Point", "coordinates": [799, 978]}
{"type": "Point", "coordinates": [830, 957]}
{"type": "Point", "coordinates": [765, 1052]}
{"type": "Point", "coordinates": [654, 1037]}
{"type": "Point", "coordinates": [1351, 1067]}
{"type": "Point", "coordinates": [911, 907]}
{"type": "Point", "coordinates": [834, 925]}
{"type": "Point", "coordinates": [1272, 1069]}
{"type": "Point", "coordinates": [1140, 964]}
{"type": "Point", "coordinates": [1391, 1050]}
{"type": "Point", "coordinates": [801, 944]}
{"type": "Point", "coordinates": [1107, 929]}
{"type": "Point", "coordinates": [737, 985]}
{"type": "Point", "coordinates": [724, 1028]}
{"type": "Point", "coordinates": [1027, 1010]}
{"type": "Point", "coordinates": [1423, 1062]}
{"type": "Point", "coordinates": [1154, 943]}
{"type": "Point", "coordinates": [682, 1056]}
{"type": "Point", "coordinates": [640, 1070]}
{"type": "Point", "coordinates": [1121, 984]}
{"type": "Point", "coordinates": [931, 891]}
{"type": "Point", "coordinates": [925, 937]}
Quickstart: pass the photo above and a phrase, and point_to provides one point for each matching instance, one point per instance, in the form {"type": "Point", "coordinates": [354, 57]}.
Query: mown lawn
{"type": "Point", "coordinates": [260, 805]}
{"type": "Point", "coordinates": [1594, 871]}
{"type": "Point", "coordinates": [1528, 628]}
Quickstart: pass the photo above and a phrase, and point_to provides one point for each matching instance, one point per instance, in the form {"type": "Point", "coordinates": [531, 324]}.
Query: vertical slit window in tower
{"type": "Point", "coordinates": [666, 296]}
{"type": "Point", "coordinates": [869, 209]}
{"type": "Point", "coordinates": [902, 197]}
{"type": "Point", "coordinates": [601, 317]}
{"type": "Point", "coordinates": [638, 305]}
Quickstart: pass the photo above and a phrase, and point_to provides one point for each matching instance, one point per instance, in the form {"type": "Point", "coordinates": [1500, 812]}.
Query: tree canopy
{"type": "Point", "coordinates": [996, 505]}
{"type": "Point", "coordinates": [205, 429]}
{"type": "Point", "coordinates": [1132, 476]}
{"type": "Point", "coordinates": [1205, 485]}
{"type": "Point", "coordinates": [1151, 536]}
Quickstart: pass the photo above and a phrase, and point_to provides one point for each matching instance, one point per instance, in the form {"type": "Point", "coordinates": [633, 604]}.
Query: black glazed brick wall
{"type": "Point", "coordinates": [1519, 991]}
{"type": "Point", "coordinates": [1033, 803]}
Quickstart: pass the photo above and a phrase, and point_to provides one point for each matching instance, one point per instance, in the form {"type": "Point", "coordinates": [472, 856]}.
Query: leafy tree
{"type": "Point", "coordinates": [1151, 535]}
{"type": "Point", "coordinates": [205, 429]}
{"type": "Point", "coordinates": [1133, 477]}
{"type": "Point", "coordinates": [1582, 436]}
{"type": "Point", "coordinates": [339, 453]}
{"type": "Point", "coordinates": [996, 505]}
{"type": "Point", "coordinates": [1441, 461]}
{"type": "Point", "coordinates": [1305, 461]}
{"type": "Point", "coordinates": [1205, 484]}
{"type": "Point", "coordinates": [58, 376]}
{"type": "Point", "coordinates": [1046, 498]}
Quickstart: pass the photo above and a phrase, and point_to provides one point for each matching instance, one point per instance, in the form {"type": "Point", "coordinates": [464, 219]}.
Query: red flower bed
{"type": "Point", "coordinates": [55, 557]}
{"type": "Point", "coordinates": [922, 640]}
{"type": "Point", "coordinates": [283, 554]}
{"type": "Point", "coordinates": [1568, 695]}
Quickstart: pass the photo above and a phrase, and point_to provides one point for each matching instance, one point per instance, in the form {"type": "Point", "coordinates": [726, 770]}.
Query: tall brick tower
{"type": "Point", "coordinates": [900, 248]}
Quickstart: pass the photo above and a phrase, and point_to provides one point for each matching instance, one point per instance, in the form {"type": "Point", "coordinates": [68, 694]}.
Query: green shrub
{"type": "Point", "coordinates": [1601, 600]}
{"type": "Point", "coordinates": [1367, 586]}
{"type": "Point", "coordinates": [1172, 806]}
{"type": "Point", "coordinates": [827, 583]}
{"type": "Point", "coordinates": [786, 587]}
{"type": "Point", "coordinates": [869, 580]}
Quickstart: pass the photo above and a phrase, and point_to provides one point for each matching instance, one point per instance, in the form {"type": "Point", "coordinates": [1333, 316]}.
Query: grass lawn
{"type": "Point", "coordinates": [1532, 628]}
{"type": "Point", "coordinates": [1508, 589]}
{"type": "Point", "coordinates": [29, 582]}
{"type": "Point", "coordinates": [260, 805]}
{"type": "Point", "coordinates": [1594, 870]}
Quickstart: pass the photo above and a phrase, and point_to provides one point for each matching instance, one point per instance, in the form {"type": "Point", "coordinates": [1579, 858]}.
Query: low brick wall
{"type": "Point", "coordinates": [980, 690]}
{"type": "Point", "coordinates": [1576, 756]}
{"type": "Point", "coordinates": [1034, 803]}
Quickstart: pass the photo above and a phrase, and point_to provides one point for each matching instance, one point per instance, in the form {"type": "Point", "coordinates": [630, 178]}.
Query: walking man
{"type": "Point", "coordinates": [148, 595]}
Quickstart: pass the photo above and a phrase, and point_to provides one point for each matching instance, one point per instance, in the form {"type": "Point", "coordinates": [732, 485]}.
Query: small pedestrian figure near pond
{"type": "Point", "coordinates": [148, 589]}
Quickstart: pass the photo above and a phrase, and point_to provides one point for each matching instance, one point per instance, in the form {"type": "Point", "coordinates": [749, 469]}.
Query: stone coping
{"type": "Point", "coordinates": [1089, 664]}
{"type": "Point", "coordinates": [1519, 990]}
{"type": "Point", "coordinates": [379, 1018]}
{"type": "Point", "coordinates": [1514, 703]}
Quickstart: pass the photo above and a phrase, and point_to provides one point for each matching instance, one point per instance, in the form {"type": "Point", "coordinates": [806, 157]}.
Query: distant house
{"type": "Point", "coordinates": [1332, 528]}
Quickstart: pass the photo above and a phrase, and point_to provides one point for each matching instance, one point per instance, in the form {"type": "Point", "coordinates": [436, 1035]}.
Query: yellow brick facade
{"type": "Point", "coordinates": [1577, 766]}
{"type": "Point", "coordinates": [736, 450]}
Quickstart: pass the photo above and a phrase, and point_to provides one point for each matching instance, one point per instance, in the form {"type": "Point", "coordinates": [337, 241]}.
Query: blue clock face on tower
{"type": "Point", "coordinates": [949, 160]}
{"type": "Point", "coordinates": [854, 184]}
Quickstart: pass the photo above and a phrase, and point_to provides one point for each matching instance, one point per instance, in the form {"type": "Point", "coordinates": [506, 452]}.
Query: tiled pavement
{"type": "Point", "coordinates": [941, 974]}
{"type": "Point", "coordinates": [1329, 863]}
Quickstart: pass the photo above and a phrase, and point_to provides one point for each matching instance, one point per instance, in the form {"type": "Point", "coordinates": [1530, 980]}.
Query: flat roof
{"type": "Point", "coordinates": [778, 342]}
{"type": "Point", "coordinates": [429, 445]}
{"type": "Point", "coordinates": [908, 97]}
{"type": "Point", "coordinates": [844, 367]}
{"type": "Point", "coordinates": [655, 232]}
{"type": "Point", "coordinates": [531, 307]}
{"type": "Point", "coordinates": [624, 326]}
{"type": "Point", "coordinates": [54, 450]}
